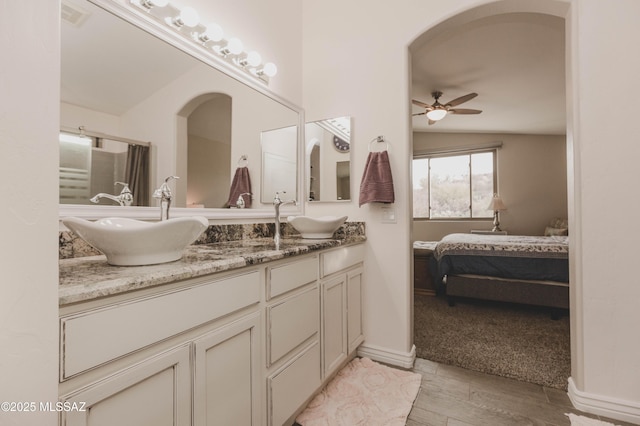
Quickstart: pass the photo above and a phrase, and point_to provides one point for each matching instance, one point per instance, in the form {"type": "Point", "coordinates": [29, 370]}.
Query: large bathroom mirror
{"type": "Point", "coordinates": [124, 79]}
{"type": "Point", "coordinates": [328, 159]}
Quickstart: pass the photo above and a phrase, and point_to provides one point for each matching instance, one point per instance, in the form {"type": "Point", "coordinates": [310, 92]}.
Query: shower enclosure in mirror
{"type": "Point", "coordinates": [92, 163]}
{"type": "Point", "coordinates": [328, 159]}
{"type": "Point", "coordinates": [122, 76]}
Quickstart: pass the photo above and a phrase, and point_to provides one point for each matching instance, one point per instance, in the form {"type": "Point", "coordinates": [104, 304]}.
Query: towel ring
{"type": "Point", "coordinates": [243, 161]}
{"type": "Point", "coordinates": [379, 139]}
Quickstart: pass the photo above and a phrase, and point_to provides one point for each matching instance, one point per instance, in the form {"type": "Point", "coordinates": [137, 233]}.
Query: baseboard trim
{"type": "Point", "coordinates": [386, 356]}
{"type": "Point", "coordinates": [604, 406]}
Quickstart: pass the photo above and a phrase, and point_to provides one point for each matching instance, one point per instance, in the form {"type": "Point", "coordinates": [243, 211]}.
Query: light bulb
{"type": "Point", "coordinates": [270, 69]}
{"type": "Point", "coordinates": [436, 114]}
{"type": "Point", "coordinates": [234, 46]}
{"type": "Point", "coordinates": [212, 33]}
{"type": "Point", "coordinates": [253, 58]}
{"type": "Point", "coordinates": [188, 17]}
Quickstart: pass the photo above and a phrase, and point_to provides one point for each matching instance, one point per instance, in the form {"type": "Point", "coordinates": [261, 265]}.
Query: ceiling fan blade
{"type": "Point", "coordinates": [421, 104]}
{"type": "Point", "coordinates": [461, 99]}
{"type": "Point", "coordinates": [420, 113]}
{"type": "Point", "coordinates": [465, 111]}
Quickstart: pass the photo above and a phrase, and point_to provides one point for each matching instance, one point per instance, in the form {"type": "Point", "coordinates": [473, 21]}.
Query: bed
{"type": "Point", "coordinates": [519, 269]}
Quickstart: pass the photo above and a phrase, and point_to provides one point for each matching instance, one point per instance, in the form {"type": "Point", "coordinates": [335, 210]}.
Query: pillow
{"type": "Point", "coordinates": [558, 223]}
{"type": "Point", "coordinates": [550, 231]}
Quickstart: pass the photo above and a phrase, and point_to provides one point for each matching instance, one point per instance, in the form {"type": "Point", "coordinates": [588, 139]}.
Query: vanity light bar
{"type": "Point", "coordinates": [210, 37]}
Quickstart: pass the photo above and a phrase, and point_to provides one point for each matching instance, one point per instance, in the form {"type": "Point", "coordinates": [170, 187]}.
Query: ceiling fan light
{"type": "Point", "coordinates": [436, 114]}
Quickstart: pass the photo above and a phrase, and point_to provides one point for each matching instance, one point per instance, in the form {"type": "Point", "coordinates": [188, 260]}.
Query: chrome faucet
{"type": "Point", "coordinates": [124, 199]}
{"type": "Point", "coordinates": [241, 203]}
{"type": "Point", "coordinates": [165, 196]}
{"type": "Point", "coordinates": [277, 202]}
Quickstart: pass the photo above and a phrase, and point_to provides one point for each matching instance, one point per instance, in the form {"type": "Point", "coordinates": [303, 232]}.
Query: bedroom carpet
{"type": "Point", "coordinates": [364, 393]}
{"type": "Point", "coordinates": [515, 341]}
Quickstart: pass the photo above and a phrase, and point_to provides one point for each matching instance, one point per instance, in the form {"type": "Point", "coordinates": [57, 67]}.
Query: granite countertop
{"type": "Point", "coordinates": [91, 277]}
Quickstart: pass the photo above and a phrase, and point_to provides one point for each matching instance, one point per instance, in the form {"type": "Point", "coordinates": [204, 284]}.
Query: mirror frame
{"type": "Point", "coordinates": [147, 24]}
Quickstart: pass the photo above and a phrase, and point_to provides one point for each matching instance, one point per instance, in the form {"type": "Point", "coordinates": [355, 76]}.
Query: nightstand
{"type": "Point", "coordinates": [422, 279]}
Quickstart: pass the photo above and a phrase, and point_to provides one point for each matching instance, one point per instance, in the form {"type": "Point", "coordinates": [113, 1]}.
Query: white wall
{"type": "Point", "coordinates": [532, 181]}
{"type": "Point", "coordinates": [271, 27]}
{"type": "Point", "coordinates": [362, 71]}
{"type": "Point", "coordinates": [605, 153]}
{"type": "Point", "coordinates": [29, 123]}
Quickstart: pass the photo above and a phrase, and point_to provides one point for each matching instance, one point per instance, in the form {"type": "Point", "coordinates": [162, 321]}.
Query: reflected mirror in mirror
{"type": "Point", "coordinates": [119, 80]}
{"type": "Point", "coordinates": [279, 155]}
{"type": "Point", "coordinates": [328, 159]}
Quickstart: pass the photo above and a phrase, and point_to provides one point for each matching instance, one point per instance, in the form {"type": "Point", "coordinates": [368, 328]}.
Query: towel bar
{"type": "Point", "coordinates": [379, 139]}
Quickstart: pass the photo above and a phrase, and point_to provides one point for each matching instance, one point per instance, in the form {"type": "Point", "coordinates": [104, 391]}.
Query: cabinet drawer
{"type": "Point", "coordinates": [291, 276]}
{"type": "Point", "coordinates": [341, 258]}
{"type": "Point", "coordinates": [91, 338]}
{"type": "Point", "coordinates": [291, 322]}
{"type": "Point", "coordinates": [290, 387]}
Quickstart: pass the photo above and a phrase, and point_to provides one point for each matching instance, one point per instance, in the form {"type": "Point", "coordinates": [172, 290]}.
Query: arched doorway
{"type": "Point", "coordinates": [466, 74]}
{"type": "Point", "coordinates": [204, 151]}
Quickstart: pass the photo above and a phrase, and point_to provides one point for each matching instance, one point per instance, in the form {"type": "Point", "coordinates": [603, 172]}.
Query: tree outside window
{"type": "Point", "coordinates": [456, 186]}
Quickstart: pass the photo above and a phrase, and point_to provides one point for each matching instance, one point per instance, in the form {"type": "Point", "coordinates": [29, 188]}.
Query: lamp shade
{"type": "Point", "coordinates": [496, 204]}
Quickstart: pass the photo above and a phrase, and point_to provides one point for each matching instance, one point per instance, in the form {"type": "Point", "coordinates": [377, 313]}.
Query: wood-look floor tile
{"type": "Point", "coordinates": [454, 422]}
{"type": "Point", "coordinates": [531, 408]}
{"type": "Point", "coordinates": [479, 380]}
{"type": "Point", "coordinates": [435, 384]}
{"type": "Point", "coordinates": [421, 417]}
{"type": "Point", "coordinates": [471, 412]}
{"type": "Point", "coordinates": [557, 397]}
{"type": "Point", "coordinates": [425, 366]}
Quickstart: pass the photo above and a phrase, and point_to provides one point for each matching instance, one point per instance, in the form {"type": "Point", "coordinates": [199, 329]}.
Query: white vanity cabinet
{"type": "Point", "coordinates": [245, 347]}
{"type": "Point", "coordinates": [341, 289]}
{"type": "Point", "coordinates": [153, 357]}
{"type": "Point", "coordinates": [292, 362]}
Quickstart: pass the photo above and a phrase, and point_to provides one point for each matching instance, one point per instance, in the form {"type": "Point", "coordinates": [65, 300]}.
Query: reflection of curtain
{"type": "Point", "coordinates": [137, 174]}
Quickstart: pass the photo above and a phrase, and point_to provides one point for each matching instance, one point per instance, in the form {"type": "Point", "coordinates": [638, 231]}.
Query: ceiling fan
{"type": "Point", "coordinates": [438, 111]}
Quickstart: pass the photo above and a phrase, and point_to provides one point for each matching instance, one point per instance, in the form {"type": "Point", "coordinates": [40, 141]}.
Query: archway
{"type": "Point", "coordinates": [490, 13]}
{"type": "Point", "coordinates": [203, 151]}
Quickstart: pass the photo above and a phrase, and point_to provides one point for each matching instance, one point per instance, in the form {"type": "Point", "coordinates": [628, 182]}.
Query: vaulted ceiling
{"type": "Point", "coordinates": [513, 61]}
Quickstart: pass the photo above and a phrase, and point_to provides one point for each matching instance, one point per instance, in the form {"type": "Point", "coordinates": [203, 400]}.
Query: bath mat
{"type": "Point", "coordinates": [577, 420]}
{"type": "Point", "coordinates": [364, 392]}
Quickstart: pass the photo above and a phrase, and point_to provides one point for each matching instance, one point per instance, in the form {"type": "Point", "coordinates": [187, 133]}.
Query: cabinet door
{"type": "Point", "coordinates": [334, 323]}
{"type": "Point", "coordinates": [355, 335]}
{"type": "Point", "coordinates": [294, 383]}
{"type": "Point", "coordinates": [154, 392]}
{"type": "Point", "coordinates": [227, 367]}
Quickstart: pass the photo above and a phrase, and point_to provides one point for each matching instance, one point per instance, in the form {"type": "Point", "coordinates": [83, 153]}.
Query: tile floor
{"type": "Point", "coordinates": [453, 396]}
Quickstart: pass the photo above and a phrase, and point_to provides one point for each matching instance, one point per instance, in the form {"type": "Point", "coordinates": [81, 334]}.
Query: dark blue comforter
{"type": "Point", "coordinates": [514, 257]}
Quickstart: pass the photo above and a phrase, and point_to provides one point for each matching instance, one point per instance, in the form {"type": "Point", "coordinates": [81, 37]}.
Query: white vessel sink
{"type": "Point", "coordinates": [316, 227]}
{"type": "Point", "coordinates": [129, 242]}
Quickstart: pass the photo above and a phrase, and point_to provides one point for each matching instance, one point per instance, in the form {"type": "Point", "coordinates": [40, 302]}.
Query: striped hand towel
{"type": "Point", "coordinates": [377, 183]}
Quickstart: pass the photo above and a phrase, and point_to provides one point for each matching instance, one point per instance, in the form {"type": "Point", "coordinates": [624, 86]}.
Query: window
{"type": "Point", "coordinates": [456, 186]}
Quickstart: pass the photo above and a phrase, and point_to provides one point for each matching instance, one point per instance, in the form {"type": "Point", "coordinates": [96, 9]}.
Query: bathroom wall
{"type": "Point", "coordinates": [29, 123]}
